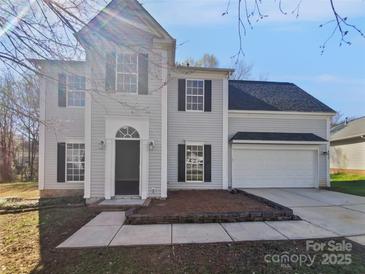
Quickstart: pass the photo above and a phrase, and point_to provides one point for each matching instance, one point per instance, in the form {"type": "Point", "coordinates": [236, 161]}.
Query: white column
{"type": "Point", "coordinates": [87, 183]}
{"type": "Point", "coordinates": [328, 150]}
{"type": "Point", "coordinates": [42, 134]}
{"type": "Point", "coordinates": [164, 126]}
{"type": "Point", "coordinates": [108, 168]}
{"type": "Point", "coordinates": [225, 134]}
{"type": "Point", "coordinates": [144, 168]}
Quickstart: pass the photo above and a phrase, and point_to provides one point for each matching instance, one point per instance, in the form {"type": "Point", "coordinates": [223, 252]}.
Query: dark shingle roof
{"type": "Point", "coordinates": [272, 96]}
{"type": "Point", "coordinates": [277, 136]}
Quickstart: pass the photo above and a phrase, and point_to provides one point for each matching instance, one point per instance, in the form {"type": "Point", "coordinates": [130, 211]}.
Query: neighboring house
{"type": "Point", "coordinates": [127, 121]}
{"type": "Point", "coordinates": [348, 147]}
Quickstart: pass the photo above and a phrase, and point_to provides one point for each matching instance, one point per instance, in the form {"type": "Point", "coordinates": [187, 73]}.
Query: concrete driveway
{"type": "Point", "coordinates": [343, 214]}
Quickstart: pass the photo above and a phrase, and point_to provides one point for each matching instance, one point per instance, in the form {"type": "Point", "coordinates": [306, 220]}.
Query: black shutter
{"type": "Point", "coordinates": [143, 74]}
{"type": "Point", "coordinates": [208, 95]}
{"type": "Point", "coordinates": [61, 153]}
{"type": "Point", "coordinates": [181, 163]}
{"type": "Point", "coordinates": [110, 71]}
{"type": "Point", "coordinates": [62, 82]}
{"type": "Point", "coordinates": [207, 163]}
{"type": "Point", "coordinates": [181, 95]}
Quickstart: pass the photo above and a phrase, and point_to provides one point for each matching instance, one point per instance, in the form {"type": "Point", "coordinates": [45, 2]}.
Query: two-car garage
{"type": "Point", "coordinates": [274, 166]}
{"type": "Point", "coordinates": [275, 160]}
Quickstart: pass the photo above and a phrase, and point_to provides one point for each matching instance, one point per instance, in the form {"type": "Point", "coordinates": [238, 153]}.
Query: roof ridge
{"type": "Point", "coordinates": [264, 82]}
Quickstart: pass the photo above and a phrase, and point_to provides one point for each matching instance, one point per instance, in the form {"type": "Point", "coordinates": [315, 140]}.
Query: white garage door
{"type": "Point", "coordinates": [274, 167]}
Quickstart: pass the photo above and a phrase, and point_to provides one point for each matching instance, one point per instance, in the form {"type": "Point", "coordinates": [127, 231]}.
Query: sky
{"type": "Point", "coordinates": [281, 47]}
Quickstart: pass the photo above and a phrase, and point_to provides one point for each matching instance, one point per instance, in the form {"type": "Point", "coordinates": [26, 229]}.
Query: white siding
{"type": "Point", "coordinates": [299, 123]}
{"type": "Point", "coordinates": [205, 127]}
{"type": "Point", "coordinates": [350, 156]}
{"type": "Point", "coordinates": [62, 123]}
{"type": "Point", "coordinates": [104, 105]}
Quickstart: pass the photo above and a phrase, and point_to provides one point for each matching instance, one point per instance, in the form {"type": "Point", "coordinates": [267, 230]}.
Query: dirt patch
{"type": "Point", "coordinates": [203, 206]}
{"type": "Point", "coordinates": [28, 245]}
{"type": "Point", "coordinates": [202, 201]}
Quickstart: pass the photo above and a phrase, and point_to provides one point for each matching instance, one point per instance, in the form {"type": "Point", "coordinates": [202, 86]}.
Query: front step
{"type": "Point", "coordinates": [126, 197]}
{"type": "Point", "coordinates": [124, 202]}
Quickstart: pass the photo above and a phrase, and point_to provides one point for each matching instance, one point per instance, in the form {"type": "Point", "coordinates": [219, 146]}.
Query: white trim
{"type": "Point", "coordinates": [112, 125]}
{"type": "Point", "coordinates": [164, 126]}
{"type": "Point", "coordinates": [225, 135]}
{"type": "Point", "coordinates": [278, 142]}
{"type": "Point", "coordinates": [328, 168]}
{"type": "Point", "coordinates": [71, 90]}
{"type": "Point", "coordinates": [194, 144]}
{"type": "Point", "coordinates": [116, 72]}
{"type": "Point", "coordinates": [347, 137]}
{"type": "Point", "coordinates": [78, 141]}
{"type": "Point", "coordinates": [88, 134]}
{"type": "Point", "coordinates": [42, 135]}
{"type": "Point", "coordinates": [186, 96]}
{"type": "Point", "coordinates": [274, 147]}
{"type": "Point", "coordinates": [319, 115]}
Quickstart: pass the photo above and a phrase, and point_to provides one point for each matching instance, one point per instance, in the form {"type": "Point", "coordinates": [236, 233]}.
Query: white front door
{"type": "Point", "coordinates": [273, 166]}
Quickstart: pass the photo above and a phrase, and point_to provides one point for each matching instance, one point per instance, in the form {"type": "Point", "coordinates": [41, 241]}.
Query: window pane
{"type": "Point", "coordinates": [194, 163]}
{"type": "Point", "coordinates": [195, 95]}
{"type": "Point", "coordinates": [127, 71]}
{"type": "Point", "coordinates": [75, 162]}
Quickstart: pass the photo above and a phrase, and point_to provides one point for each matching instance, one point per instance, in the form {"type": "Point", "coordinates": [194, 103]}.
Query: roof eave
{"type": "Point", "coordinates": [279, 142]}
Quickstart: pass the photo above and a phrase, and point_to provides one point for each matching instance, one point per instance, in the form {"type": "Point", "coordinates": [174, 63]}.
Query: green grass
{"type": "Point", "coordinates": [348, 183]}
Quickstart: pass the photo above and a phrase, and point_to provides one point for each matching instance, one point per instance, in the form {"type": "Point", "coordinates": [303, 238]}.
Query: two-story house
{"type": "Point", "coordinates": [128, 122]}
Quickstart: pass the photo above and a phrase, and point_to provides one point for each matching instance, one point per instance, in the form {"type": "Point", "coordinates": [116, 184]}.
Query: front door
{"type": "Point", "coordinates": [126, 167]}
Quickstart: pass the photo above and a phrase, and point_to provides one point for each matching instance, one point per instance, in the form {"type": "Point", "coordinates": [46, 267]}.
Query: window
{"type": "Point", "coordinates": [75, 91]}
{"type": "Point", "coordinates": [75, 162]}
{"type": "Point", "coordinates": [127, 133]}
{"type": "Point", "coordinates": [127, 73]}
{"type": "Point", "coordinates": [194, 163]}
{"type": "Point", "coordinates": [195, 95]}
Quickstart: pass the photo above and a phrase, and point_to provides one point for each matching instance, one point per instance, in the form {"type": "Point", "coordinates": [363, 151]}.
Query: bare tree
{"type": "Point", "coordinates": [337, 119]}
{"type": "Point", "coordinates": [27, 98]}
{"type": "Point", "coordinates": [250, 11]}
{"type": "Point", "coordinates": [19, 126]}
{"type": "Point", "coordinates": [243, 71]}
{"type": "Point", "coordinates": [7, 131]}
{"type": "Point", "coordinates": [207, 61]}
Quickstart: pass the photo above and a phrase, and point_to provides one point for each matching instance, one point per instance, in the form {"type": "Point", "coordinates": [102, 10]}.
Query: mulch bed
{"type": "Point", "coordinates": [208, 206]}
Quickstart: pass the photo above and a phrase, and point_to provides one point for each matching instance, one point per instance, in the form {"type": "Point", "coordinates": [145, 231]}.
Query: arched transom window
{"type": "Point", "coordinates": [127, 133]}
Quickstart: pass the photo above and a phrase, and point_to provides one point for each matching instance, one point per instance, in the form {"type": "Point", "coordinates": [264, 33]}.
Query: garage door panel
{"type": "Point", "coordinates": [273, 168]}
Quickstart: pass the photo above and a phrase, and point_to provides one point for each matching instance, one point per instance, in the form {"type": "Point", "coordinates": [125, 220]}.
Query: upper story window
{"type": "Point", "coordinates": [195, 95]}
{"type": "Point", "coordinates": [75, 91]}
{"type": "Point", "coordinates": [127, 73]}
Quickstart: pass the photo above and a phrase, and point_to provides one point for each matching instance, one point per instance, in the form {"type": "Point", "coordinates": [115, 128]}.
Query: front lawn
{"type": "Point", "coordinates": [348, 183]}
{"type": "Point", "coordinates": [19, 196]}
{"type": "Point", "coordinates": [23, 190]}
{"type": "Point", "coordinates": [28, 242]}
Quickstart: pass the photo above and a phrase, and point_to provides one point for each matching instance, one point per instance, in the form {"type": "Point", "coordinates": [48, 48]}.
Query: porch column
{"type": "Point", "coordinates": [108, 168]}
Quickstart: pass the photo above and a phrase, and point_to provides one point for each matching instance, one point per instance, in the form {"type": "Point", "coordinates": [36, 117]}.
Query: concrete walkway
{"type": "Point", "coordinates": [342, 214]}
{"type": "Point", "coordinates": [325, 214]}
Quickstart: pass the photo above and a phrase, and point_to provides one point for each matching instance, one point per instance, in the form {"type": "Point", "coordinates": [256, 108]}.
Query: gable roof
{"type": "Point", "coordinates": [352, 129]}
{"type": "Point", "coordinates": [272, 96]}
{"type": "Point", "coordinates": [277, 136]}
{"type": "Point", "coordinates": [118, 9]}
